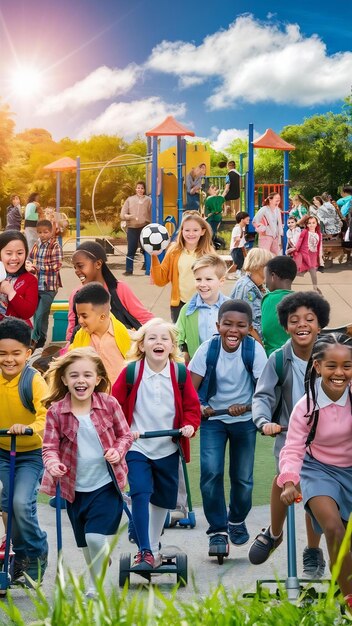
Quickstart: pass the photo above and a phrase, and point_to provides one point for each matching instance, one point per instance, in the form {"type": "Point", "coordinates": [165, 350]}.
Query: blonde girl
{"type": "Point", "coordinates": [193, 240]}
{"type": "Point", "coordinates": [85, 441]}
{"type": "Point", "coordinates": [155, 401]}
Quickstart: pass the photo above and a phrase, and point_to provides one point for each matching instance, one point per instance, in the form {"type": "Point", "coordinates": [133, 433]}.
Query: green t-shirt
{"type": "Point", "coordinates": [274, 336]}
{"type": "Point", "coordinates": [213, 207]}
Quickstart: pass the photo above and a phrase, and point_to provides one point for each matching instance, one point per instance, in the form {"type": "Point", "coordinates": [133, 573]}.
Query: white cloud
{"type": "Point", "coordinates": [257, 61]}
{"type": "Point", "coordinates": [131, 118]}
{"type": "Point", "coordinates": [225, 136]}
{"type": "Point", "coordinates": [102, 84]}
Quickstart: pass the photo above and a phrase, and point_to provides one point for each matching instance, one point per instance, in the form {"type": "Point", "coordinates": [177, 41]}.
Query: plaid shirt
{"type": "Point", "coordinates": [47, 259]}
{"type": "Point", "coordinates": [60, 440]}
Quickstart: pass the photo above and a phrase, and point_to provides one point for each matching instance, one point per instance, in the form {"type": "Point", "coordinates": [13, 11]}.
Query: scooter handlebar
{"type": "Point", "coordinates": [217, 412]}
{"type": "Point", "coordinates": [5, 433]}
{"type": "Point", "coordinates": [152, 434]}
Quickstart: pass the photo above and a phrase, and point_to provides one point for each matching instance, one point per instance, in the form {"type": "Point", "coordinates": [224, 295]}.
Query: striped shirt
{"type": "Point", "coordinates": [47, 259]}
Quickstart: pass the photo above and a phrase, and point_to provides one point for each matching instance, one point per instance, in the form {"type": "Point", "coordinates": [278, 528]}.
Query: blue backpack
{"type": "Point", "coordinates": [25, 387]}
{"type": "Point", "coordinates": [207, 388]}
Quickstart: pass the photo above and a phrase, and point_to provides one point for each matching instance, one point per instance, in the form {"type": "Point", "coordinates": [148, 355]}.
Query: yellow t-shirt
{"type": "Point", "coordinates": [12, 412]}
{"type": "Point", "coordinates": [185, 275]}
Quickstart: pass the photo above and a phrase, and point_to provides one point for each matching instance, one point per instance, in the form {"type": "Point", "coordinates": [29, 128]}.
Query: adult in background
{"type": "Point", "coordinates": [194, 185]}
{"type": "Point", "coordinates": [137, 213]}
{"type": "Point", "coordinates": [14, 214]}
{"type": "Point", "coordinates": [232, 189]}
{"type": "Point", "coordinates": [268, 224]}
{"type": "Point", "coordinates": [31, 215]}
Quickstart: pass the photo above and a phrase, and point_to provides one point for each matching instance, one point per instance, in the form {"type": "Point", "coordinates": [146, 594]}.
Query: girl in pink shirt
{"type": "Point", "coordinates": [318, 449]}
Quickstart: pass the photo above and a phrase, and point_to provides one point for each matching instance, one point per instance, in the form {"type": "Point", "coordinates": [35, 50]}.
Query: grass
{"type": "Point", "coordinates": [264, 471]}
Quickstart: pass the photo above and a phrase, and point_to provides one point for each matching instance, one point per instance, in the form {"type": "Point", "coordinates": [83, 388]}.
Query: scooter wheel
{"type": "Point", "coordinates": [220, 558]}
{"type": "Point", "coordinates": [125, 567]}
{"type": "Point", "coordinates": [181, 569]}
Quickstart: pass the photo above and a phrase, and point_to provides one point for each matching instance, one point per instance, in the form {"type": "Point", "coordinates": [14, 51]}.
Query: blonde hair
{"type": "Point", "coordinates": [205, 245]}
{"type": "Point", "coordinates": [138, 336]}
{"type": "Point", "coordinates": [256, 259]}
{"type": "Point", "coordinates": [57, 369]}
{"type": "Point", "coordinates": [211, 260]}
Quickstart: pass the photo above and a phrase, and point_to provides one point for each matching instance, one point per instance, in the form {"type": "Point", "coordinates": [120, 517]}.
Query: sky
{"type": "Point", "coordinates": [119, 67]}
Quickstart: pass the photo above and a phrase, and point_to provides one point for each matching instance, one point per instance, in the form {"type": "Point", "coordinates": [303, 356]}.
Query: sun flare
{"type": "Point", "coordinates": [26, 79]}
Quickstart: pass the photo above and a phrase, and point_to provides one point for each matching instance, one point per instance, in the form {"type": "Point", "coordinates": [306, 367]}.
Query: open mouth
{"type": "Point", "coordinates": [232, 341]}
{"type": "Point", "coordinates": [158, 350]}
{"type": "Point", "coordinates": [338, 381]}
{"type": "Point", "coordinates": [81, 388]}
{"type": "Point", "coordinates": [82, 278]}
{"type": "Point", "coordinates": [303, 333]}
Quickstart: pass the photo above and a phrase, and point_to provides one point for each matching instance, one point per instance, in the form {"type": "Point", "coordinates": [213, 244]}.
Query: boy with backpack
{"type": "Point", "coordinates": [223, 371]}
{"type": "Point", "coordinates": [280, 386]}
{"type": "Point", "coordinates": [21, 392]}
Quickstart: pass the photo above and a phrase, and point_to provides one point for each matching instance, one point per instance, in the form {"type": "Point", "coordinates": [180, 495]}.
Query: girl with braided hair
{"type": "Point", "coordinates": [318, 449]}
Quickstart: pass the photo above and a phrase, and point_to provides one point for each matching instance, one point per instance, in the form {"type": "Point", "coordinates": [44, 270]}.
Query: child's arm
{"type": "Point", "coordinates": [265, 399]}
{"type": "Point", "coordinates": [132, 303]}
{"type": "Point", "coordinates": [301, 239]}
{"type": "Point", "coordinates": [191, 408]}
{"type": "Point", "coordinates": [51, 445]}
{"type": "Point", "coordinates": [181, 338]}
{"type": "Point", "coordinates": [24, 304]}
{"type": "Point", "coordinates": [292, 454]}
{"type": "Point", "coordinates": [124, 437]}
{"type": "Point", "coordinates": [162, 272]}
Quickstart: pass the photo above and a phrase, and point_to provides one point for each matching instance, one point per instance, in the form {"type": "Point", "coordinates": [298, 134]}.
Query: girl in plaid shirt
{"type": "Point", "coordinates": [85, 441]}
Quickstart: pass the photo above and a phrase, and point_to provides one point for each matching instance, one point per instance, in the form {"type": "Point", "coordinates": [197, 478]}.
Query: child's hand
{"type": "Point", "coordinates": [290, 494]}
{"type": "Point", "coordinates": [7, 288]}
{"type": "Point", "coordinates": [237, 409]}
{"type": "Point", "coordinates": [207, 411]}
{"type": "Point", "coordinates": [135, 434]}
{"type": "Point", "coordinates": [187, 431]}
{"type": "Point", "coordinates": [57, 470]}
{"type": "Point", "coordinates": [29, 266]}
{"type": "Point", "coordinates": [112, 456]}
{"type": "Point", "coordinates": [271, 429]}
{"type": "Point", "coordinates": [17, 429]}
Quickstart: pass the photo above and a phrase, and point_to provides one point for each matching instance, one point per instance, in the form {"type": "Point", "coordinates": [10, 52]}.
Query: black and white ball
{"type": "Point", "coordinates": [154, 238]}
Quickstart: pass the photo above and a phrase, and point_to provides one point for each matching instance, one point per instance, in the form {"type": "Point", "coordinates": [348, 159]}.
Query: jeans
{"type": "Point", "coordinates": [133, 243]}
{"type": "Point", "coordinates": [41, 316]}
{"type": "Point", "coordinates": [214, 435]}
{"type": "Point", "coordinates": [28, 538]}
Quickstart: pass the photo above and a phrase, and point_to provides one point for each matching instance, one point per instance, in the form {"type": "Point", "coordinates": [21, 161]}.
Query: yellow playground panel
{"type": "Point", "coordinates": [195, 154]}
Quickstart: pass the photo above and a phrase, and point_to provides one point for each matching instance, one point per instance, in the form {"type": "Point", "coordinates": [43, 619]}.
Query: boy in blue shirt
{"type": "Point", "coordinates": [227, 384]}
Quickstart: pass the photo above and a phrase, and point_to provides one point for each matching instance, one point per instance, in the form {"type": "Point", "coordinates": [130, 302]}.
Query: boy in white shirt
{"type": "Point", "coordinates": [237, 244]}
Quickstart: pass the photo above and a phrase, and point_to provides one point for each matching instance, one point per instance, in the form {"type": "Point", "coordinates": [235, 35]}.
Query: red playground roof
{"type": "Point", "coordinates": [66, 163]}
{"type": "Point", "coordinates": [169, 126]}
{"type": "Point", "coordinates": [273, 141]}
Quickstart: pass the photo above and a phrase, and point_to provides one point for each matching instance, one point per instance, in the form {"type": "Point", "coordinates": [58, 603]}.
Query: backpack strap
{"type": "Point", "coordinates": [181, 373]}
{"type": "Point", "coordinates": [132, 371]}
{"type": "Point", "coordinates": [207, 387]}
{"type": "Point", "coordinates": [247, 353]}
{"type": "Point", "coordinates": [25, 387]}
{"type": "Point", "coordinates": [279, 369]}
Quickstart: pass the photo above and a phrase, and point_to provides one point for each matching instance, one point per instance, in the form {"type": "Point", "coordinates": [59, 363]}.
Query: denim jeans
{"type": "Point", "coordinates": [41, 316]}
{"type": "Point", "coordinates": [133, 243]}
{"type": "Point", "coordinates": [214, 435]}
{"type": "Point", "coordinates": [28, 538]}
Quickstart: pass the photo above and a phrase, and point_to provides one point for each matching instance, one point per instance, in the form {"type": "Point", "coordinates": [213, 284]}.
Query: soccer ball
{"type": "Point", "coordinates": [154, 238]}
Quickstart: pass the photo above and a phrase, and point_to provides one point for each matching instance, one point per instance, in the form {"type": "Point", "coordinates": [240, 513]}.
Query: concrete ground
{"type": "Point", "coordinates": [204, 573]}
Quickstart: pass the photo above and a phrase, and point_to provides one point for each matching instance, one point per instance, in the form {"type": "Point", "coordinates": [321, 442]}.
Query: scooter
{"type": "Point", "coordinates": [174, 563]}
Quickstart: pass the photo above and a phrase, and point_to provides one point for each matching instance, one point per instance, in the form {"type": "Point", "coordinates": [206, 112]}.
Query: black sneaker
{"type": "Point", "coordinates": [35, 569]}
{"type": "Point", "coordinates": [263, 546]}
{"type": "Point", "coordinates": [20, 566]}
{"type": "Point", "coordinates": [313, 563]}
{"type": "Point", "coordinates": [218, 545]}
{"type": "Point", "coordinates": [238, 534]}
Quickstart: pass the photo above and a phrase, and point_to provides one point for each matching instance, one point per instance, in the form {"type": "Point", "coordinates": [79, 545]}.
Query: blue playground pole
{"type": "Point", "coordinates": [147, 167]}
{"type": "Point", "coordinates": [286, 192]}
{"type": "Point", "coordinates": [242, 155]}
{"type": "Point", "coordinates": [250, 183]}
{"type": "Point", "coordinates": [154, 178]}
{"type": "Point", "coordinates": [78, 201]}
{"type": "Point", "coordinates": [179, 159]}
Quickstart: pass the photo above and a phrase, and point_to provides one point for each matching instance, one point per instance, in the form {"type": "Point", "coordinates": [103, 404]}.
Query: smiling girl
{"type": "Point", "coordinates": [19, 290]}
{"type": "Point", "coordinates": [193, 240]}
{"type": "Point", "coordinates": [318, 449]}
{"type": "Point", "coordinates": [268, 224]}
{"type": "Point", "coordinates": [155, 401]}
{"type": "Point", "coordinates": [309, 250]}
{"type": "Point", "coordinates": [85, 441]}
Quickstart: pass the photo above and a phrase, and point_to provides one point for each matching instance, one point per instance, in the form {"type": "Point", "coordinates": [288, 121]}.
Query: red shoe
{"type": "Point", "coordinates": [2, 548]}
{"type": "Point", "coordinates": [144, 560]}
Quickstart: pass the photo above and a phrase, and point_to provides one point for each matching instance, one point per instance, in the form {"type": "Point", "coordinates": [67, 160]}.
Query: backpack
{"type": "Point", "coordinates": [279, 369]}
{"type": "Point", "coordinates": [25, 387]}
{"type": "Point", "coordinates": [132, 371]}
{"type": "Point", "coordinates": [207, 387]}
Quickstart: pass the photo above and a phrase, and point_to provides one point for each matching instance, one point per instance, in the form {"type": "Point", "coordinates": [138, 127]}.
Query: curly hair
{"type": "Point", "coordinates": [310, 300]}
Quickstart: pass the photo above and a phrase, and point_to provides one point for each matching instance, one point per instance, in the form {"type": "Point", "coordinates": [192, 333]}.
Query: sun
{"type": "Point", "coordinates": [26, 80]}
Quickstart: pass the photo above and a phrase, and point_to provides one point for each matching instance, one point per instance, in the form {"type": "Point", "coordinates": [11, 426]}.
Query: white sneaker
{"type": "Point", "coordinates": [158, 559]}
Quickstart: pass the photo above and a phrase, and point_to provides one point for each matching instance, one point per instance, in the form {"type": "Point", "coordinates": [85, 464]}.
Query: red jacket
{"type": "Point", "coordinates": [187, 407]}
{"type": "Point", "coordinates": [60, 440]}
{"type": "Point", "coordinates": [23, 305]}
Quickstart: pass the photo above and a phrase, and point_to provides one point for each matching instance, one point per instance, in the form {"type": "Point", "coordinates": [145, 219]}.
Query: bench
{"type": "Point", "coordinates": [335, 248]}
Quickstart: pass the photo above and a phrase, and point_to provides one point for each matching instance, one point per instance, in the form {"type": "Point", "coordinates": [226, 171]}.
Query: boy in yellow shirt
{"type": "Point", "coordinates": [100, 329]}
{"type": "Point", "coordinates": [29, 541]}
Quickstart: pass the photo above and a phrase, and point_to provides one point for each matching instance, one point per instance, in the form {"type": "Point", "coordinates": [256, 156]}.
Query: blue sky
{"type": "Point", "coordinates": [120, 66]}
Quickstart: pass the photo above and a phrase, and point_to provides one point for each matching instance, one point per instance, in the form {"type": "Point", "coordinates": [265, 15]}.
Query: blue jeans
{"type": "Point", "coordinates": [41, 316]}
{"type": "Point", "coordinates": [214, 435]}
{"type": "Point", "coordinates": [133, 242]}
{"type": "Point", "coordinates": [28, 538]}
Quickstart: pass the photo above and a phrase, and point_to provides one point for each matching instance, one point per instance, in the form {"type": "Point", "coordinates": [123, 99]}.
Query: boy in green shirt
{"type": "Point", "coordinates": [213, 208]}
{"type": "Point", "coordinates": [280, 273]}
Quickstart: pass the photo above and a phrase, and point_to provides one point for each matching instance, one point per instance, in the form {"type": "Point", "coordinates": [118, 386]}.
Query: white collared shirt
{"type": "Point", "coordinates": [154, 410]}
{"type": "Point", "coordinates": [323, 400]}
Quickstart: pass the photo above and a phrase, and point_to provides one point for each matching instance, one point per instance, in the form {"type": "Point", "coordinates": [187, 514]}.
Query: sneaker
{"type": "Point", "coordinates": [218, 545]}
{"type": "Point", "coordinates": [313, 563]}
{"type": "Point", "coordinates": [263, 546]}
{"type": "Point", "coordinates": [238, 533]}
{"type": "Point", "coordinates": [36, 569]}
{"type": "Point", "coordinates": [144, 560]}
{"type": "Point", "coordinates": [19, 568]}
{"type": "Point", "coordinates": [158, 560]}
{"type": "Point", "coordinates": [127, 273]}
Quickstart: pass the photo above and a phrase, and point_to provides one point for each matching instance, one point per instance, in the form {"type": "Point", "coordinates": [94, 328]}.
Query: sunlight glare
{"type": "Point", "coordinates": [26, 80]}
